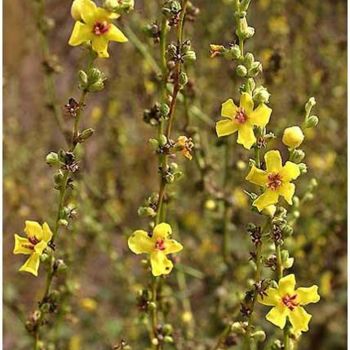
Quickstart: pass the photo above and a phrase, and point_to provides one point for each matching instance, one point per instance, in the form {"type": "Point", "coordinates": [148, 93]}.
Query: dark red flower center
{"type": "Point", "coordinates": [274, 181]}
{"type": "Point", "coordinates": [290, 301]}
{"type": "Point", "coordinates": [160, 244]}
{"type": "Point", "coordinates": [241, 117]}
{"type": "Point", "coordinates": [100, 28]}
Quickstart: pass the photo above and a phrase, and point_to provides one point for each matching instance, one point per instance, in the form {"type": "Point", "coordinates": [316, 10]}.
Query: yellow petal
{"type": "Point", "coordinates": [273, 161]}
{"type": "Point", "coordinates": [80, 6]}
{"type": "Point", "coordinates": [266, 199]}
{"type": "Point", "coordinates": [172, 246]}
{"type": "Point", "coordinates": [33, 229]}
{"type": "Point", "coordinates": [87, 11]}
{"type": "Point", "coordinates": [286, 285]}
{"type": "Point", "coordinates": [102, 15]}
{"type": "Point", "coordinates": [287, 191]}
{"type": "Point", "coordinates": [228, 109]}
{"type": "Point", "coordinates": [246, 136]}
{"type": "Point", "coordinates": [100, 45]}
{"type": "Point", "coordinates": [40, 247]}
{"type": "Point", "coordinates": [21, 245]}
{"type": "Point", "coordinates": [257, 176]}
{"type": "Point", "coordinates": [290, 171]}
{"type": "Point", "coordinates": [299, 319]}
{"type": "Point", "coordinates": [162, 231]}
{"type": "Point", "coordinates": [32, 264]}
{"type": "Point", "coordinates": [47, 234]}
{"type": "Point", "coordinates": [261, 115]}
{"type": "Point", "coordinates": [115, 34]}
{"type": "Point", "coordinates": [278, 316]}
{"type": "Point", "coordinates": [247, 103]}
{"type": "Point", "coordinates": [225, 127]}
{"type": "Point", "coordinates": [308, 295]}
{"type": "Point", "coordinates": [160, 264]}
{"type": "Point", "coordinates": [271, 299]}
{"type": "Point", "coordinates": [140, 242]}
{"type": "Point", "coordinates": [80, 34]}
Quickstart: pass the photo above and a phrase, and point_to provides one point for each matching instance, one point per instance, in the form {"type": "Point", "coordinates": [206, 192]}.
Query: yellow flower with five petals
{"type": "Point", "coordinates": [275, 180]}
{"type": "Point", "coordinates": [94, 24]}
{"type": "Point", "coordinates": [158, 246]}
{"type": "Point", "coordinates": [242, 119]}
{"type": "Point", "coordinates": [34, 245]}
{"type": "Point", "coordinates": [287, 302]}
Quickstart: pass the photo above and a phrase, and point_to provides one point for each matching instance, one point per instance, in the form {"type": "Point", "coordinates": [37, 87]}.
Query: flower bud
{"type": "Point", "coordinates": [244, 31]}
{"type": "Point", "coordinates": [249, 59]}
{"type": "Point", "coordinates": [154, 143]}
{"type": "Point", "coordinates": [235, 52]}
{"type": "Point", "coordinates": [293, 137]}
{"type": "Point", "coordinates": [255, 69]}
{"type": "Point", "coordinates": [168, 339]}
{"type": "Point", "coordinates": [311, 122]}
{"type": "Point", "coordinates": [241, 70]}
{"type": "Point", "coordinates": [52, 159]}
{"type": "Point", "coordinates": [190, 56]}
{"type": "Point", "coordinates": [183, 79]}
{"type": "Point", "coordinates": [163, 140]}
{"type": "Point", "coordinates": [85, 134]}
{"type": "Point", "coordinates": [302, 168]}
{"type": "Point", "coordinates": [60, 266]}
{"type": "Point", "coordinates": [261, 95]}
{"type": "Point", "coordinates": [82, 79]}
{"type": "Point", "coordinates": [259, 336]}
{"type": "Point", "coordinates": [164, 110]}
{"type": "Point", "coordinates": [287, 230]}
{"type": "Point", "coordinates": [167, 329]}
{"type": "Point", "coordinates": [297, 155]}
{"type": "Point", "coordinates": [309, 104]}
{"type": "Point", "coordinates": [238, 328]}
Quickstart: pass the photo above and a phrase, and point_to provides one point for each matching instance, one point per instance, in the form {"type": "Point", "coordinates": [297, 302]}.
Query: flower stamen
{"type": "Point", "coordinates": [274, 181]}
{"type": "Point", "coordinates": [241, 117]}
{"type": "Point", "coordinates": [101, 28]}
{"type": "Point", "coordinates": [290, 301]}
{"type": "Point", "coordinates": [160, 244]}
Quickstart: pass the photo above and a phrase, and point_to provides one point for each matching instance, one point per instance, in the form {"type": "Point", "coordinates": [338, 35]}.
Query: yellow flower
{"type": "Point", "coordinates": [275, 180]}
{"type": "Point", "coordinates": [288, 302]}
{"type": "Point", "coordinates": [94, 24]}
{"type": "Point", "coordinates": [158, 246]}
{"type": "Point", "coordinates": [293, 137]}
{"type": "Point", "coordinates": [37, 239]}
{"type": "Point", "coordinates": [242, 119]}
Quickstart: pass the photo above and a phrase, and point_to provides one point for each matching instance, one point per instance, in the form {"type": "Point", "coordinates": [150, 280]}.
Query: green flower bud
{"type": "Point", "coordinates": [85, 134]}
{"type": "Point", "coordinates": [169, 178]}
{"type": "Point", "coordinates": [183, 79]}
{"type": "Point", "coordinates": [146, 211]}
{"type": "Point", "coordinates": [44, 257]}
{"type": "Point", "coordinates": [297, 155]}
{"type": "Point", "coordinates": [60, 266]}
{"type": "Point", "coordinates": [302, 168]}
{"type": "Point", "coordinates": [259, 336]}
{"type": "Point", "coordinates": [52, 159]}
{"type": "Point", "coordinates": [164, 110]}
{"type": "Point", "coordinates": [152, 306]}
{"type": "Point", "coordinates": [233, 53]}
{"type": "Point", "coordinates": [244, 31]}
{"type": "Point", "coordinates": [255, 69]}
{"type": "Point", "coordinates": [287, 230]}
{"type": "Point", "coordinates": [82, 80]}
{"type": "Point", "coordinates": [96, 87]}
{"type": "Point", "coordinates": [241, 70]}
{"type": "Point", "coordinates": [190, 56]}
{"type": "Point", "coordinates": [261, 95]}
{"type": "Point", "coordinates": [238, 328]}
{"type": "Point", "coordinates": [168, 339]}
{"type": "Point", "coordinates": [311, 122]}
{"type": "Point", "coordinates": [249, 59]}
{"type": "Point", "coordinates": [154, 143]}
{"type": "Point", "coordinates": [167, 329]}
{"type": "Point", "coordinates": [173, 166]}
{"type": "Point", "coordinates": [163, 140]}
{"type": "Point", "coordinates": [309, 104]}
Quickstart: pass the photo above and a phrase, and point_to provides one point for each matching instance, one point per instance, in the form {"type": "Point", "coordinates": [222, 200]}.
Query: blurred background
{"type": "Point", "coordinates": [302, 46]}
